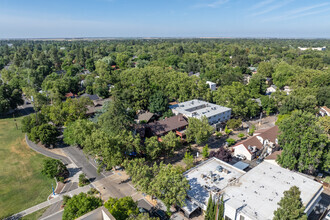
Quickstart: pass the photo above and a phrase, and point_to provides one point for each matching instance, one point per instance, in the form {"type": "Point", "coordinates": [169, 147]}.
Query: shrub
{"type": "Point", "coordinates": [230, 141]}
{"type": "Point", "coordinates": [221, 154]}
{"type": "Point", "coordinates": [83, 180]}
{"type": "Point", "coordinates": [205, 151]}
{"type": "Point", "coordinates": [234, 123]}
{"type": "Point", "coordinates": [55, 168]}
{"type": "Point", "coordinates": [241, 135]}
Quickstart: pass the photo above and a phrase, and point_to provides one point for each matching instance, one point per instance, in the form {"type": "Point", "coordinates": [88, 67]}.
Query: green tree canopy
{"type": "Point", "coordinates": [122, 208]}
{"type": "Point", "coordinates": [304, 143]}
{"type": "Point", "coordinates": [290, 206]}
{"type": "Point", "coordinates": [199, 130]}
{"type": "Point", "coordinates": [79, 205]}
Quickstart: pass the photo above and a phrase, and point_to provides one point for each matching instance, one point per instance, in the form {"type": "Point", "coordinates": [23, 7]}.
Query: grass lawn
{"type": "Point", "coordinates": [21, 183]}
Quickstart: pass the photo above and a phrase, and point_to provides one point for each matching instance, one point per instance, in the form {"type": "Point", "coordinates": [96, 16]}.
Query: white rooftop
{"type": "Point", "coordinates": [259, 190]}
{"type": "Point", "coordinates": [199, 177]}
{"type": "Point", "coordinates": [198, 108]}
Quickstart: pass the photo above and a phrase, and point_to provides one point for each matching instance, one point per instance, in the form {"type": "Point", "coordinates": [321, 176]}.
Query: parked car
{"type": "Point", "coordinates": [240, 156]}
{"type": "Point", "coordinates": [160, 214]}
{"type": "Point", "coordinates": [143, 210]}
{"type": "Point", "coordinates": [259, 160]}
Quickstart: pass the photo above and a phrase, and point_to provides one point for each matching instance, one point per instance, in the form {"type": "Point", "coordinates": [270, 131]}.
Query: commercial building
{"type": "Point", "coordinates": [256, 194]}
{"type": "Point", "coordinates": [247, 195]}
{"type": "Point", "coordinates": [215, 114]}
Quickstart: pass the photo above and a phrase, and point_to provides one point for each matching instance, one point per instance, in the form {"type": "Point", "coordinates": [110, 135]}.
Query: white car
{"type": "Point", "coordinates": [240, 156]}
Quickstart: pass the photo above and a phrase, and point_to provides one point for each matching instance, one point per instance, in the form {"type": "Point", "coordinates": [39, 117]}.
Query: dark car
{"type": "Point", "coordinates": [143, 210]}
{"type": "Point", "coordinates": [160, 214]}
{"type": "Point", "coordinates": [259, 160]}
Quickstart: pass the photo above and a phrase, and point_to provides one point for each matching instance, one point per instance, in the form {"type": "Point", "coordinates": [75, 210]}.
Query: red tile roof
{"type": "Point", "coordinates": [274, 155]}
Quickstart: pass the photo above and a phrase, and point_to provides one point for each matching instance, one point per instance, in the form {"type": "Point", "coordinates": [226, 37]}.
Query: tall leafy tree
{"type": "Point", "coordinates": [198, 130]}
{"type": "Point", "coordinates": [290, 206]}
{"type": "Point", "coordinates": [79, 205]}
{"type": "Point", "coordinates": [304, 143]}
{"type": "Point", "coordinates": [122, 208]}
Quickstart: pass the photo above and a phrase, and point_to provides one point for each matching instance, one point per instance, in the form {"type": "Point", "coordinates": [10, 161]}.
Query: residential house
{"type": "Point", "coordinates": [217, 115]}
{"type": "Point", "coordinates": [253, 69]}
{"type": "Point", "coordinates": [264, 142]}
{"type": "Point", "coordinates": [271, 89]}
{"type": "Point", "coordinates": [212, 85]}
{"type": "Point", "coordinates": [287, 90]}
{"type": "Point", "coordinates": [70, 95]}
{"type": "Point", "coordinates": [97, 103]}
{"type": "Point", "coordinates": [144, 117]}
{"type": "Point", "coordinates": [272, 157]}
{"type": "Point", "coordinates": [324, 111]}
{"type": "Point", "coordinates": [246, 78]}
{"type": "Point", "coordinates": [252, 195]}
{"type": "Point", "coordinates": [176, 124]}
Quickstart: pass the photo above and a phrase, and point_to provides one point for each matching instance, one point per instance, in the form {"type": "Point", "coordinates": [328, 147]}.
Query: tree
{"type": "Point", "coordinates": [10, 98]}
{"type": "Point", "coordinates": [324, 122]}
{"type": "Point", "coordinates": [45, 133]}
{"type": "Point", "coordinates": [153, 147]}
{"type": "Point", "coordinates": [290, 206]}
{"type": "Point", "coordinates": [238, 98]}
{"type": "Point", "coordinates": [209, 208]}
{"type": "Point", "coordinates": [304, 143]}
{"type": "Point", "coordinates": [205, 151]}
{"type": "Point", "coordinates": [158, 102]}
{"type": "Point", "coordinates": [257, 85]}
{"type": "Point", "coordinates": [268, 104]}
{"type": "Point", "coordinates": [198, 130]}
{"type": "Point", "coordinates": [115, 119]}
{"type": "Point", "coordinates": [77, 132]}
{"type": "Point", "coordinates": [122, 208]}
{"type": "Point", "coordinates": [227, 130]}
{"type": "Point", "coordinates": [169, 185]}
{"type": "Point", "coordinates": [83, 180]}
{"type": "Point", "coordinates": [230, 141]}
{"type": "Point", "coordinates": [240, 135]}
{"type": "Point", "coordinates": [234, 123]}
{"type": "Point", "coordinates": [30, 121]}
{"type": "Point", "coordinates": [188, 160]}
{"type": "Point", "coordinates": [79, 205]}
{"type": "Point", "coordinates": [221, 154]}
{"type": "Point", "coordinates": [252, 129]}
{"type": "Point", "coordinates": [163, 181]}
{"type": "Point", "coordinates": [171, 142]}
{"type": "Point", "coordinates": [54, 168]}
{"type": "Point", "coordinates": [265, 69]}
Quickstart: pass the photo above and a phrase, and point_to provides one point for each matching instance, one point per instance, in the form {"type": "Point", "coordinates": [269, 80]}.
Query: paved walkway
{"type": "Point", "coordinates": [45, 152]}
{"type": "Point", "coordinates": [49, 202]}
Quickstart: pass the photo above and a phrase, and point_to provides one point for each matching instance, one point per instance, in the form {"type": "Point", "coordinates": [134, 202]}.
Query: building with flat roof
{"type": "Point", "coordinates": [209, 177]}
{"type": "Point", "coordinates": [255, 195]}
{"type": "Point", "coordinates": [247, 195]}
{"type": "Point", "coordinates": [216, 114]}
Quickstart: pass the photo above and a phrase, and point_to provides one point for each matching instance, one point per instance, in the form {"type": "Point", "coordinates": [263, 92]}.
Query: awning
{"type": "Point", "coordinates": [190, 207]}
{"type": "Point", "coordinates": [241, 165]}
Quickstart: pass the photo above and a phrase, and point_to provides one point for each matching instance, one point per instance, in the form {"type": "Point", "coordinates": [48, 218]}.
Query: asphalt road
{"type": "Point", "coordinates": [47, 153]}
{"type": "Point", "coordinates": [87, 166]}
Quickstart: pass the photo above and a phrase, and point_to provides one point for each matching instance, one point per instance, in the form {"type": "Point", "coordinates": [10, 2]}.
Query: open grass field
{"type": "Point", "coordinates": [21, 183]}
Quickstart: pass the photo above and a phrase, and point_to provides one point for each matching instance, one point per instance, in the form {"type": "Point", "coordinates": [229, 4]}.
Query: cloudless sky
{"type": "Point", "coordinates": [164, 18]}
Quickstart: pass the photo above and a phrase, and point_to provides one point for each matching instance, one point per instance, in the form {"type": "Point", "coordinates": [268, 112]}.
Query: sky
{"type": "Point", "coordinates": [165, 18]}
